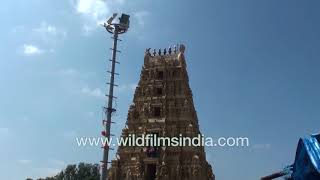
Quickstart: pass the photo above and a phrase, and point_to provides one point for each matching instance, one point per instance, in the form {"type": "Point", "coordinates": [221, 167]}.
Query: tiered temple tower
{"type": "Point", "coordinates": [162, 105]}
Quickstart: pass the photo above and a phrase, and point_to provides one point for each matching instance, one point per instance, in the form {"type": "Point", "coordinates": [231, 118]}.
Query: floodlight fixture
{"type": "Point", "coordinates": [112, 18]}
{"type": "Point", "coordinates": [124, 20]}
{"type": "Point", "coordinates": [117, 27]}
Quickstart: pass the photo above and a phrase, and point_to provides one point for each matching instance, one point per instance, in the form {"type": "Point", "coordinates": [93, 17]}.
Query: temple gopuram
{"type": "Point", "coordinates": [162, 105]}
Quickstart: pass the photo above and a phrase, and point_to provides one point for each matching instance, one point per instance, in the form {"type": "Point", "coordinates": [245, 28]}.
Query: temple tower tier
{"type": "Point", "coordinates": [162, 106]}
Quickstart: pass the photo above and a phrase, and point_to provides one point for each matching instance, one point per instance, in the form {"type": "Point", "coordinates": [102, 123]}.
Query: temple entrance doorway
{"type": "Point", "coordinates": [151, 172]}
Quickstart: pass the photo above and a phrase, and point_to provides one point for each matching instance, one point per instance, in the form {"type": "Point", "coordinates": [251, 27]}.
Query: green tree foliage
{"type": "Point", "coordinates": [83, 171]}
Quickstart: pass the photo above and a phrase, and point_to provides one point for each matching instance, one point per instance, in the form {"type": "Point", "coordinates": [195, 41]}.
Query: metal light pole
{"type": "Point", "coordinates": [115, 29]}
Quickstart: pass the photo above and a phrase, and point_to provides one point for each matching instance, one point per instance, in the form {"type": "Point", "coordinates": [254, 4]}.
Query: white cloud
{"type": "Point", "coordinates": [49, 33]}
{"type": "Point", "coordinates": [29, 49]}
{"type": "Point", "coordinates": [24, 161]}
{"type": "Point", "coordinates": [92, 8]}
{"type": "Point", "coordinates": [94, 12]}
{"type": "Point", "coordinates": [139, 20]}
{"type": "Point", "coordinates": [46, 33]}
{"type": "Point", "coordinates": [96, 92]}
{"type": "Point", "coordinates": [140, 17]}
{"type": "Point", "coordinates": [46, 28]}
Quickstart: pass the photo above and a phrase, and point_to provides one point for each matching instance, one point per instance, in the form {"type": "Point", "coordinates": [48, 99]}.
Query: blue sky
{"type": "Point", "coordinates": [253, 68]}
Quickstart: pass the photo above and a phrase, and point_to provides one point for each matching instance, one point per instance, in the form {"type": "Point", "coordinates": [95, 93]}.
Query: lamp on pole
{"type": "Point", "coordinates": [115, 29]}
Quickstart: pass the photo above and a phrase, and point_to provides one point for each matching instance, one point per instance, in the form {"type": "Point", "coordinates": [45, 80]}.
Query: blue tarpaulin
{"type": "Point", "coordinates": [307, 161]}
